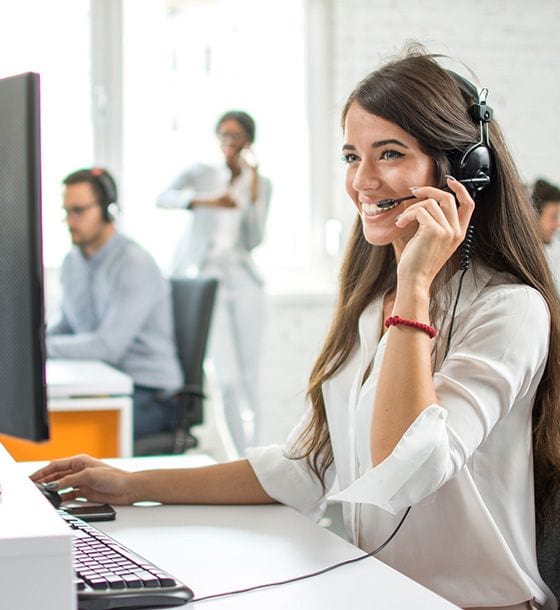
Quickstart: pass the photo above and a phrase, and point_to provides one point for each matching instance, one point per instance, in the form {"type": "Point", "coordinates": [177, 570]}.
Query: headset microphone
{"type": "Point", "coordinates": [475, 183]}
{"type": "Point", "coordinates": [479, 182]}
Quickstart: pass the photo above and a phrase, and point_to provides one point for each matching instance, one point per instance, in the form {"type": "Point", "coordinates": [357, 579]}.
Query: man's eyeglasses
{"type": "Point", "coordinates": [75, 211]}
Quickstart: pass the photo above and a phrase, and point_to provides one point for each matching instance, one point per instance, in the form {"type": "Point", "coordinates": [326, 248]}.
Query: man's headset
{"type": "Point", "coordinates": [108, 190]}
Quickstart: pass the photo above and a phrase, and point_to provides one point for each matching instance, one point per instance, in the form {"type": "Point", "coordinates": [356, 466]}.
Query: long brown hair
{"type": "Point", "coordinates": [422, 98]}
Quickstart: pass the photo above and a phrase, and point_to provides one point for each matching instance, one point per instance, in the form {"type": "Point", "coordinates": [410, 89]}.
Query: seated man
{"type": "Point", "coordinates": [116, 305]}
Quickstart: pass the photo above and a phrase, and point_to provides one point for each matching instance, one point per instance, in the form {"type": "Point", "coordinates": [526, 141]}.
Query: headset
{"type": "Point", "coordinates": [108, 190]}
{"type": "Point", "coordinates": [473, 166]}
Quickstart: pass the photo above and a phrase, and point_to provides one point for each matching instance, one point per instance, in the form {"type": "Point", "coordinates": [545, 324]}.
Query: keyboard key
{"type": "Point", "coordinates": [148, 580]}
{"type": "Point", "coordinates": [97, 583]}
{"type": "Point", "coordinates": [131, 580]}
{"type": "Point", "coordinates": [165, 580]}
{"type": "Point", "coordinates": [115, 582]}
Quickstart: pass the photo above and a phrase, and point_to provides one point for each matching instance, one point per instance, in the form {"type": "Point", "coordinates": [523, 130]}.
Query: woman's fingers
{"type": "Point", "coordinates": [442, 219]}
{"type": "Point", "coordinates": [74, 481]}
{"type": "Point", "coordinates": [63, 467]}
{"type": "Point", "coordinates": [85, 477]}
{"type": "Point", "coordinates": [107, 484]}
{"type": "Point", "coordinates": [432, 206]}
{"type": "Point", "coordinates": [466, 202]}
{"type": "Point", "coordinates": [448, 210]}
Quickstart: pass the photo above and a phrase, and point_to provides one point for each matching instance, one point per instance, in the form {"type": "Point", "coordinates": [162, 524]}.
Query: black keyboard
{"type": "Point", "coordinates": [108, 575]}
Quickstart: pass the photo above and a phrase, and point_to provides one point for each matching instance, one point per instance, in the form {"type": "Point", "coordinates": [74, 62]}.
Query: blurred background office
{"type": "Point", "coordinates": [137, 86]}
{"type": "Point", "coordinates": [546, 201]}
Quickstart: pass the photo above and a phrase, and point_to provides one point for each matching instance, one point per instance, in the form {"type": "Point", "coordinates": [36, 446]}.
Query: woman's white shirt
{"type": "Point", "coordinates": [216, 238]}
{"type": "Point", "coordinates": [464, 465]}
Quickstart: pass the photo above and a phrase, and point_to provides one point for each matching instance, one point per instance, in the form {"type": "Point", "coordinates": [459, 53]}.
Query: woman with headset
{"type": "Point", "coordinates": [433, 403]}
{"type": "Point", "coordinates": [228, 206]}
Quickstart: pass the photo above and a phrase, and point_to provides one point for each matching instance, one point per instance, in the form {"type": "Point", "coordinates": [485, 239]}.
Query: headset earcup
{"type": "Point", "coordinates": [474, 163]}
{"type": "Point", "coordinates": [108, 189]}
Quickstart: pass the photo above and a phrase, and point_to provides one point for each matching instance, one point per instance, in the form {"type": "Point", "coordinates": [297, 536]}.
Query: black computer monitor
{"type": "Point", "coordinates": [23, 398]}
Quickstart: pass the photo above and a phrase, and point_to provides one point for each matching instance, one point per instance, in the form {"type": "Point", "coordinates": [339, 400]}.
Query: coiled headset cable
{"type": "Point", "coordinates": [464, 265]}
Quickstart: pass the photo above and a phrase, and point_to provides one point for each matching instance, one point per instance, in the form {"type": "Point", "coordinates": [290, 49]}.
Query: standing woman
{"type": "Point", "coordinates": [228, 205]}
{"type": "Point", "coordinates": [434, 413]}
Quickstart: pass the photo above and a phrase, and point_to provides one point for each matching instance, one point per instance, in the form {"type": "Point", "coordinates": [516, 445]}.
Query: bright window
{"type": "Point", "coordinates": [52, 38]}
{"type": "Point", "coordinates": [185, 63]}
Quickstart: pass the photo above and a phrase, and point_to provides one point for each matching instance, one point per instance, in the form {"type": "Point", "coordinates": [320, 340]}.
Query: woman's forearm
{"type": "Point", "coordinates": [405, 386]}
{"type": "Point", "coordinates": [227, 483]}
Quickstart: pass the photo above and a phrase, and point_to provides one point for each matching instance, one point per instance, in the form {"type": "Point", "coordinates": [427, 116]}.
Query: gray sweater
{"type": "Point", "coordinates": [116, 307]}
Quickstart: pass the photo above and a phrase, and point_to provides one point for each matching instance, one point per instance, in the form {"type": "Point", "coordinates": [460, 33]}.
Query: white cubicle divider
{"type": "Point", "coordinates": [35, 546]}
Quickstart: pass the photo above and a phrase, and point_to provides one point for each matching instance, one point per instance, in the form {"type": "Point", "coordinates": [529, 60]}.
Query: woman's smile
{"type": "Point", "coordinates": [372, 209]}
{"type": "Point", "coordinates": [383, 162]}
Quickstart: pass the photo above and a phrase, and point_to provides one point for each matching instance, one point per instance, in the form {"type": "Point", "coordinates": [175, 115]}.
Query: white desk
{"type": "Point", "coordinates": [89, 378]}
{"type": "Point", "coordinates": [214, 549]}
{"type": "Point", "coordinates": [91, 385]}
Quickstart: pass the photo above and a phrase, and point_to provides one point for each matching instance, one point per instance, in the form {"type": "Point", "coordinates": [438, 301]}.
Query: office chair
{"type": "Point", "coordinates": [193, 306]}
{"type": "Point", "coordinates": [548, 556]}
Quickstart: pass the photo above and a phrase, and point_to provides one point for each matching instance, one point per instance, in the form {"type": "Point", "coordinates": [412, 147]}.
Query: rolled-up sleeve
{"type": "Point", "coordinates": [408, 474]}
{"type": "Point", "coordinates": [497, 358]}
{"type": "Point", "coordinates": [288, 480]}
{"type": "Point", "coordinates": [181, 191]}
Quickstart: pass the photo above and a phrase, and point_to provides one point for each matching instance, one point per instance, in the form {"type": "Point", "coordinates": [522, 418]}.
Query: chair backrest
{"type": "Point", "coordinates": [548, 558]}
{"type": "Point", "coordinates": [193, 305]}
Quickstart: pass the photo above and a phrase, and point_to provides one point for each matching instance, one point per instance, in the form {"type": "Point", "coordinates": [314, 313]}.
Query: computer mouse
{"type": "Point", "coordinates": [51, 495]}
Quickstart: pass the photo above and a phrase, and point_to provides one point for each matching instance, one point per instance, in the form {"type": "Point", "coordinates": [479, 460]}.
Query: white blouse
{"type": "Point", "coordinates": [464, 465]}
{"type": "Point", "coordinates": [217, 238]}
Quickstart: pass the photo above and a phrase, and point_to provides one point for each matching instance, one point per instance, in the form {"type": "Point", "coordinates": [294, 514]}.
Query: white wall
{"type": "Point", "coordinates": [512, 46]}
{"type": "Point", "coordinates": [296, 327]}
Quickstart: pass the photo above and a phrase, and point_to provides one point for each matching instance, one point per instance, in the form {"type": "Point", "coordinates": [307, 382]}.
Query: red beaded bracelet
{"type": "Point", "coordinates": [397, 320]}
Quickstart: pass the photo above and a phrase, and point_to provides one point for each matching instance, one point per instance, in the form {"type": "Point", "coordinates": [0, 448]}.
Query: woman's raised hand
{"type": "Point", "coordinates": [224, 201]}
{"type": "Point", "coordinates": [250, 158]}
{"type": "Point", "coordinates": [442, 225]}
